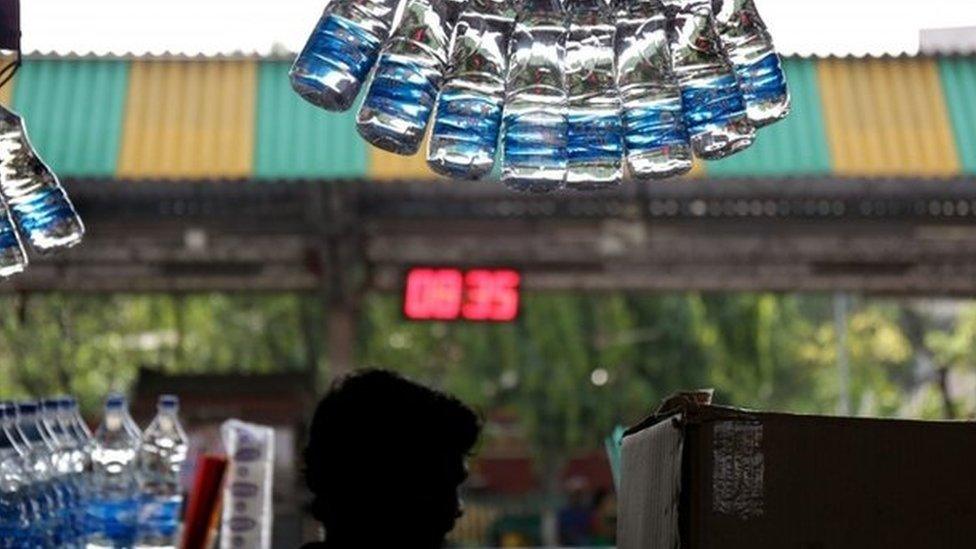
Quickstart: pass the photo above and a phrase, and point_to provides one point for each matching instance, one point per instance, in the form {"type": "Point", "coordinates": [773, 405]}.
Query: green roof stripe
{"type": "Point", "coordinates": [74, 112]}
{"type": "Point", "coordinates": [794, 146]}
{"type": "Point", "coordinates": [297, 140]}
{"type": "Point", "coordinates": [959, 85]}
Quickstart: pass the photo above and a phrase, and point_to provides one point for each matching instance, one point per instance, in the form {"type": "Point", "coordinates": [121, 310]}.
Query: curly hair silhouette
{"type": "Point", "coordinates": [384, 460]}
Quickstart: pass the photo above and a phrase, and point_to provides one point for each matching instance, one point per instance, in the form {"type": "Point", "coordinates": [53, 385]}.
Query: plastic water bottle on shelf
{"type": "Point", "coordinates": [161, 456]}
{"type": "Point", "coordinates": [750, 48]}
{"type": "Point", "coordinates": [38, 497]}
{"type": "Point", "coordinates": [468, 116]}
{"type": "Point", "coordinates": [594, 143]}
{"type": "Point", "coordinates": [51, 499]}
{"type": "Point", "coordinates": [534, 130]}
{"type": "Point", "coordinates": [17, 516]}
{"type": "Point", "coordinates": [341, 51]}
{"type": "Point", "coordinates": [407, 77]}
{"type": "Point", "coordinates": [113, 509]}
{"type": "Point", "coordinates": [654, 128]}
{"type": "Point", "coordinates": [67, 453]}
{"type": "Point", "coordinates": [714, 109]}
{"type": "Point", "coordinates": [32, 192]}
{"type": "Point", "coordinates": [74, 426]}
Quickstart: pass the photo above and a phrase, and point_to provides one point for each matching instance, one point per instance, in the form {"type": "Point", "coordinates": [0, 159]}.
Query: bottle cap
{"type": "Point", "coordinates": [50, 404]}
{"type": "Point", "coordinates": [26, 407]}
{"type": "Point", "coordinates": [169, 402]}
{"type": "Point", "coordinates": [115, 400]}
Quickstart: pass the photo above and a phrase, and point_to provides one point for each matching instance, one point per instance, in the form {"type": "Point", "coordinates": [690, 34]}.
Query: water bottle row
{"type": "Point", "coordinates": [574, 89]}
{"type": "Point", "coordinates": [63, 487]}
{"type": "Point", "coordinates": [32, 202]}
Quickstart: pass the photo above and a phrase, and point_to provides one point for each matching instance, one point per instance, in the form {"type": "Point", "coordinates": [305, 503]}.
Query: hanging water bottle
{"type": "Point", "coordinates": [654, 129]}
{"type": "Point", "coordinates": [16, 512]}
{"type": "Point", "coordinates": [113, 509]}
{"type": "Point", "coordinates": [408, 76]}
{"type": "Point", "coordinates": [750, 48]}
{"type": "Point", "coordinates": [594, 143]}
{"type": "Point", "coordinates": [534, 120]}
{"type": "Point", "coordinates": [341, 51]}
{"type": "Point", "coordinates": [714, 110]}
{"type": "Point", "coordinates": [32, 192]}
{"type": "Point", "coordinates": [161, 456]}
{"type": "Point", "coordinates": [51, 499]}
{"type": "Point", "coordinates": [13, 260]}
{"type": "Point", "coordinates": [468, 116]}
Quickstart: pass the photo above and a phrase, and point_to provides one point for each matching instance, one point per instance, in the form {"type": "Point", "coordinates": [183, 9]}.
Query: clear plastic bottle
{"type": "Point", "coordinates": [714, 109]}
{"type": "Point", "coordinates": [341, 51]}
{"type": "Point", "coordinates": [594, 144]}
{"type": "Point", "coordinates": [50, 498]}
{"type": "Point", "coordinates": [654, 128]}
{"type": "Point", "coordinates": [113, 510]}
{"type": "Point", "coordinates": [17, 516]}
{"type": "Point", "coordinates": [66, 455]}
{"type": "Point", "coordinates": [750, 48]}
{"type": "Point", "coordinates": [162, 453]}
{"type": "Point", "coordinates": [534, 130]}
{"type": "Point", "coordinates": [408, 76]}
{"type": "Point", "coordinates": [468, 116]}
{"type": "Point", "coordinates": [71, 422]}
{"type": "Point", "coordinates": [33, 193]}
{"type": "Point", "coordinates": [13, 260]}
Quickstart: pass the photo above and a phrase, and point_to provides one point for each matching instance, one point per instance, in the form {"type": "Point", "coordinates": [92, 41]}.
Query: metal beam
{"type": "Point", "coordinates": [900, 236]}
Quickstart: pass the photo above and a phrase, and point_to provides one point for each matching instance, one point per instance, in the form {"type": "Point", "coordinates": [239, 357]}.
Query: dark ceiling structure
{"type": "Point", "coordinates": [894, 236]}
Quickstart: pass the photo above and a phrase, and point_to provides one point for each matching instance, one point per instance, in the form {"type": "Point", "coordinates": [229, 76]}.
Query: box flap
{"type": "Point", "coordinates": [651, 487]}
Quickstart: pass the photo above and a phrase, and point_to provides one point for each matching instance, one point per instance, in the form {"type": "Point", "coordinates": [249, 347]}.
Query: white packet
{"type": "Point", "coordinates": [247, 512]}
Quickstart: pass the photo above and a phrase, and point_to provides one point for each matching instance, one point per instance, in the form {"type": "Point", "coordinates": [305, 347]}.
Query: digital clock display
{"type": "Point", "coordinates": [482, 295]}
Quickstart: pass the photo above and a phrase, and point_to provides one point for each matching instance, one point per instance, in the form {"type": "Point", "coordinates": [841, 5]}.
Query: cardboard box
{"type": "Point", "coordinates": [697, 476]}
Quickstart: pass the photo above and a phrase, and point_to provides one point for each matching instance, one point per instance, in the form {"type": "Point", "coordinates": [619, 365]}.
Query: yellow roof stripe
{"type": "Point", "coordinates": [886, 117]}
{"type": "Point", "coordinates": [189, 120]}
{"type": "Point", "coordinates": [389, 166]}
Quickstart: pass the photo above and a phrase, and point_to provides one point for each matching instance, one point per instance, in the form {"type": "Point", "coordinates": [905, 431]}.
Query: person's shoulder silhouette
{"type": "Point", "coordinates": [384, 460]}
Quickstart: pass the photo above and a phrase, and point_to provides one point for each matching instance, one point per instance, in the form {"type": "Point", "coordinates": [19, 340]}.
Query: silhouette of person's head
{"type": "Point", "coordinates": [384, 460]}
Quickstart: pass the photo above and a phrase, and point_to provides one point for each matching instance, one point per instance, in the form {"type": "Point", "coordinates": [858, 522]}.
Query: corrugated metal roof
{"type": "Point", "coordinates": [794, 146]}
{"type": "Point", "coordinates": [959, 84]}
{"type": "Point", "coordinates": [5, 94]}
{"type": "Point", "coordinates": [73, 111]}
{"type": "Point", "coordinates": [886, 117]}
{"type": "Point", "coordinates": [297, 140]}
{"type": "Point", "coordinates": [388, 166]}
{"type": "Point", "coordinates": [189, 120]}
{"type": "Point", "coordinates": [237, 118]}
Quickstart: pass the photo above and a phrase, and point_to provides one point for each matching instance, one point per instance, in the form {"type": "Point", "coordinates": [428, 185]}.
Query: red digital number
{"type": "Point", "coordinates": [491, 295]}
{"type": "Point", "coordinates": [450, 294]}
{"type": "Point", "coordinates": [433, 294]}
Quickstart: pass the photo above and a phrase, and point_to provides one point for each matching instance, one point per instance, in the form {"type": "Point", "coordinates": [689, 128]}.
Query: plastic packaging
{"type": "Point", "coordinates": [247, 512]}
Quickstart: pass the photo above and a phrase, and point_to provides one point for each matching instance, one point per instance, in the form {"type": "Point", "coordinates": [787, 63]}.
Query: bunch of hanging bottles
{"type": "Point", "coordinates": [575, 91]}
{"type": "Point", "coordinates": [63, 487]}
{"type": "Point", "coordinates": [33, 204]}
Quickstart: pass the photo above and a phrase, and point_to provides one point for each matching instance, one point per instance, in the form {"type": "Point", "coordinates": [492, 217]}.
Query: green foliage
{"type": "Point", "coordinates": [569, 370]}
